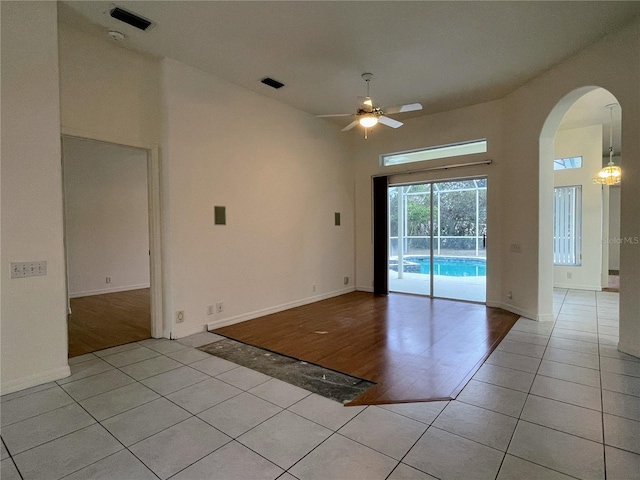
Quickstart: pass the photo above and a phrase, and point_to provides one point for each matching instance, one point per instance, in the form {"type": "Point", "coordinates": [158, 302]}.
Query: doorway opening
{"type": "Point", "coordinates": [581, 123]}
{"type": "Point", "coordinates": [107, 244]}
{"type": "Point", "coordinates": [437, 239]}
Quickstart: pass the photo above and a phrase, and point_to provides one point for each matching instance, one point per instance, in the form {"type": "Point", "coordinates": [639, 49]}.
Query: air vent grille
{"type": "Point", "coordinates": [130, 18]}
{"type": "Point", "coordinates": [272, 83]}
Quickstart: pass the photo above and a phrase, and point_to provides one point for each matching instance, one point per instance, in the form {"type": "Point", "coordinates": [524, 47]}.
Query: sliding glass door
{"type": "Point", "coordinates": [410, 239]}
{"type": "Point", "coordinates": [437, 239]}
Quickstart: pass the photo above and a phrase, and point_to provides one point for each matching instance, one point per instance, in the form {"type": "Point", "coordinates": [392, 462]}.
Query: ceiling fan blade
{"type": "Point", "coordinates": [335, 115]}
{"type": "Point", "coordinates": [389, 122]}
{"type": "Point", "coordinates": [350, 126]}
{"type": "Point", "coordinates": [411, 107]}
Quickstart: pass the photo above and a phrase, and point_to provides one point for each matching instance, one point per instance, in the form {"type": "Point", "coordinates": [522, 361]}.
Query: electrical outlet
{"type": "Point", "coordinates": [180, 316]}
{"type": "Point", "coordinates": [219, 307]}
{"type": "Point", "coordinates": [569, 275]}
{"type": "Point", "coordinates": [313, 288]}
{"type": "Point", "coordinates": [346, 280]}
{"type": "Point", "coordinates": [108, 279]}
{"type": "Point", "coordinates": [210, 310]}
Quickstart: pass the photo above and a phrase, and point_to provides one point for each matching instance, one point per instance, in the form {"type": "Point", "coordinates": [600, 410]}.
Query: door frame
{"type": "Point", "coordinates": [158, 329]}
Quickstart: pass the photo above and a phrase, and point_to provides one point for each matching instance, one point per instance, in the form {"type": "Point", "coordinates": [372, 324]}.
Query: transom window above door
{"type": "Point", "coordinates": [434, 153]}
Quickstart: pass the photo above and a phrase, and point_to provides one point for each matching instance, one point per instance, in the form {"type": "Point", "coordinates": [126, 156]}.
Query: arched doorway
{"type": "Point", "coordinates": [592, 102]}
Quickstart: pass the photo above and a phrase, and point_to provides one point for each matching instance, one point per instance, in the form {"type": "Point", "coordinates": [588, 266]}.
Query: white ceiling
{"type": "Point", "coordinates": [443, 54]}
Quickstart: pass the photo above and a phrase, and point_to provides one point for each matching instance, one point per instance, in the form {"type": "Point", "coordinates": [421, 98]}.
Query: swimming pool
{"type": "Point", "coordinates": [447, 266]}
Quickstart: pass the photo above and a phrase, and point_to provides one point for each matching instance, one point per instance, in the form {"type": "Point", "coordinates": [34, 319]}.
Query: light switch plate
{"type": "Point", "coordinates": [28, 269]}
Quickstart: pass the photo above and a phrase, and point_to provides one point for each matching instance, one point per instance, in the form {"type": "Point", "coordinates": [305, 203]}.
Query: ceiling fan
{"type": "Point", "coordinates": [370, 114]}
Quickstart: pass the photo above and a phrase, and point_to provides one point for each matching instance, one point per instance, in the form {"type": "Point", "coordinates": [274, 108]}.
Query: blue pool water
{"type": "Point", "coordinates": [449, 266]}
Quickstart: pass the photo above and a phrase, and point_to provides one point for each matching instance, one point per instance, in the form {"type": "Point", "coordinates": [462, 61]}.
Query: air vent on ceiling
{"type": "Point", "coordinates": [272, 83]}
{"type": "Point", "coordinates": [130, 18]}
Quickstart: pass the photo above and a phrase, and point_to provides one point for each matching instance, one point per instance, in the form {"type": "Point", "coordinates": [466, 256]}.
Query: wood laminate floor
{"type": "Point", "coordinates": [414, 348]}
{"type": "Point", "coordinates": [103, 321]}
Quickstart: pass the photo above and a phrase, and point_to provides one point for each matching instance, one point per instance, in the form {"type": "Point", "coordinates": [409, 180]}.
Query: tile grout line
{"type": "Point", "coordinates": [604, 440]}
{"type": "Point", "coordinates": [415, 443]}
{"type": "Point", "coordinates": [252, 428]}
{"type": "Point", "coordinates": [523, 407]}
{"type": "Point", "coordinates": [170, 426]}
{"type": "Point", "coordinates": [525, 402]}
{"type": "Point", "coordinates": [96, 422]}
{"type": "Point", "coordinates": [533, 394]}
{"type": "Point", "coordinates": [546, 376]}
{"type": "Point", "coordinates": [333, 432]}
{"type": "Point", "coordinates": [10, 457]}
{"type": "Point", "coordinates": [124, 447]}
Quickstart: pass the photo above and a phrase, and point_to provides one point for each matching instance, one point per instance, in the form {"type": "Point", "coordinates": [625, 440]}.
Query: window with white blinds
{"type": "Point", "coordinates": [567, 228]}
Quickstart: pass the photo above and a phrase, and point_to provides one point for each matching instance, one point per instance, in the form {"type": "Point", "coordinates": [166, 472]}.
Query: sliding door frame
{"type": "Point", "coordinates": [430, 183]}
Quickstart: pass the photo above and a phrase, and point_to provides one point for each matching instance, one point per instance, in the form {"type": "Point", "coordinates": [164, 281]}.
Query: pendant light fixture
{"type": "Point", "coordinates": [611, 174]}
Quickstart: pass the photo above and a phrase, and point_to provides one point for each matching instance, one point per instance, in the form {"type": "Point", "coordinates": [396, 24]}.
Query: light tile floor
{"type": "Point", "coordinates": [554, 401]}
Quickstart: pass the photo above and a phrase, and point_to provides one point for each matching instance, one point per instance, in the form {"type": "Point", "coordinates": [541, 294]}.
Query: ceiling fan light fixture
{"type": "Point", "coordinates": [368, 121]}
{"type": "Point", "coordinates": [368, 114]}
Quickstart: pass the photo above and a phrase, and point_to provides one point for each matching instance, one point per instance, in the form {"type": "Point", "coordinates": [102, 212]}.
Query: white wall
{"type": "Point", "coordinates": [33, 310]}
{"type": "Point", "coordinates": [106, 217]}
{"type": "Point", "coordinates": [587, 143]}
{"type": "Point", "coordinates": [533, 115]}
{"type": "Point", "coordinates": [614, 228]}
{"type": "Point", "coordinates": [280, 173]}
{"type": "Point", "coordinates": [107, 91]}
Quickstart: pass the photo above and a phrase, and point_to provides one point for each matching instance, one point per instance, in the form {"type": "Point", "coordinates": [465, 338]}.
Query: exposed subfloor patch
{"type": "Point", "coordinates": [327, 383]}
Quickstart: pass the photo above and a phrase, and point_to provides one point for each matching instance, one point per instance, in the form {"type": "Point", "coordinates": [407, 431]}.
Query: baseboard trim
{"type": "Point", "coordinates": [34, 380]}
{"type": "Point", "coordinates": [546, 317]}
{"type": "Point", "coordinates": [186, 331]}
{"type": "Point", "coordinates": [597, 288]}
{"type": "Point", "coordinates": [102, 291]}
{"type": "Point", "coordinates": [538, 317]}
{"type": "Point", "coordinates": [364, 289]}
{"type": "Point", "coordinates": [629, 349]}
{"type": "Point", "coordinates": [278, 308]}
